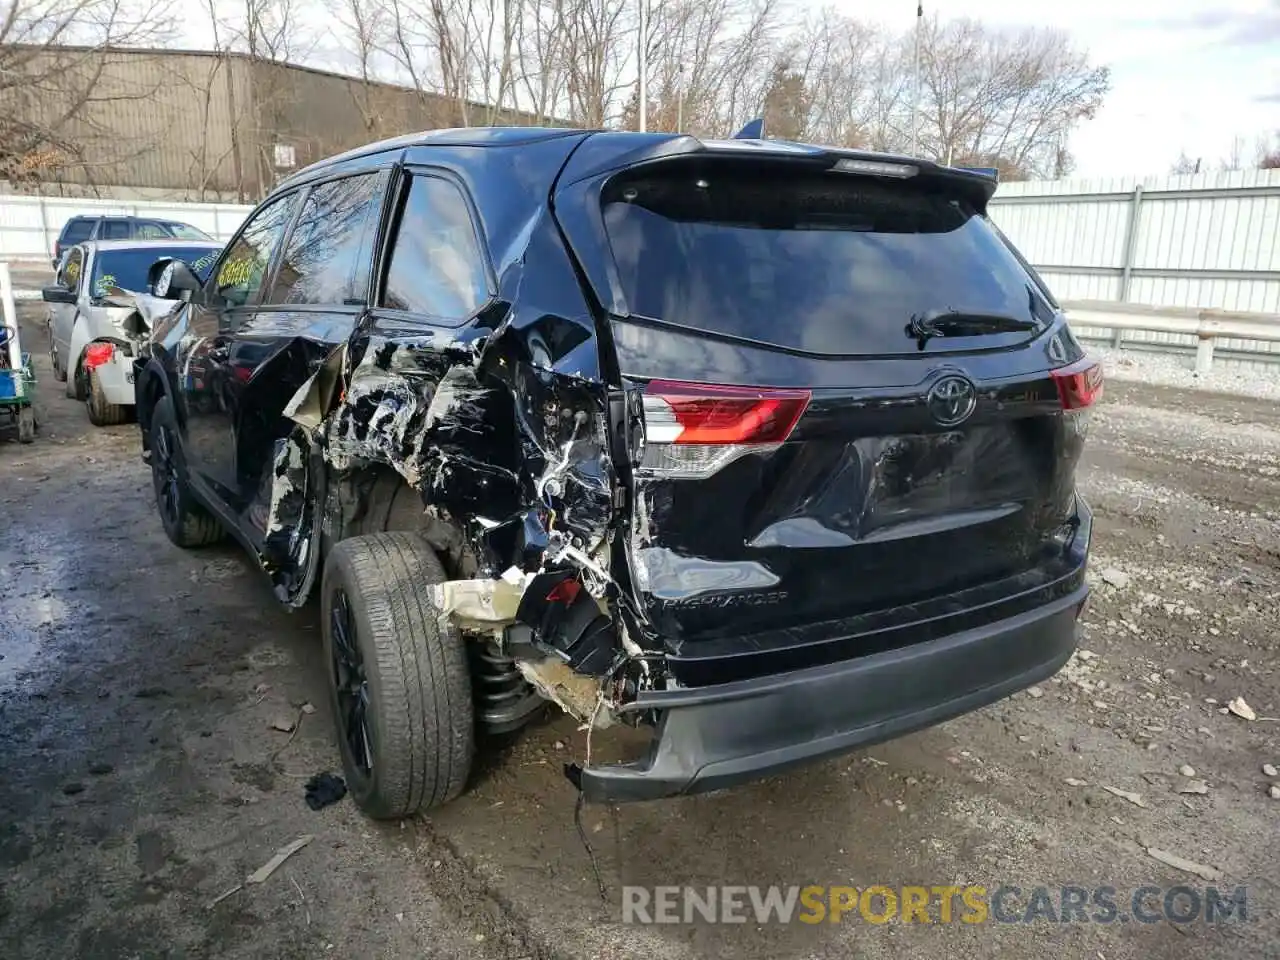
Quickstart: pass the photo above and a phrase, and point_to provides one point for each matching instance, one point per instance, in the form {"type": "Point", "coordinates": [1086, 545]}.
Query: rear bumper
{"type": "Point", "coordinates": [713, 737]}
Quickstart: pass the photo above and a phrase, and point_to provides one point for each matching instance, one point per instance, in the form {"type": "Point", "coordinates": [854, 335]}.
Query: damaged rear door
{"type": "Point", "coordinates": [848, 396]}
{"type": "Point", "coordinates": [316, 295]}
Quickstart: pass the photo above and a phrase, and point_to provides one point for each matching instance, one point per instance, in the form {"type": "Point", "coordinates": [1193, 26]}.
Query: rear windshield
{"type": "Point", "coordinates": [127, 269]}
{"type": "Point", "coordinates": [816, 261]}
{"type": "Point", "coordinates": [76, 231]}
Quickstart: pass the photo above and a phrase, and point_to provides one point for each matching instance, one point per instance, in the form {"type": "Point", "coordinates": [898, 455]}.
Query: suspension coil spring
{"type": "Point", "coordinates": [499, 686]}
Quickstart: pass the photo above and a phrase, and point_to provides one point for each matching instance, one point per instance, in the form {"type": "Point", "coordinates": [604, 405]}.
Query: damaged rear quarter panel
{"type": "Point", "coordinates": [499, 424]}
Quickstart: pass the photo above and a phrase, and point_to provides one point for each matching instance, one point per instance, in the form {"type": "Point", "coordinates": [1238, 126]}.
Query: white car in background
{"type": "Point", "coordinates": [101, 311]}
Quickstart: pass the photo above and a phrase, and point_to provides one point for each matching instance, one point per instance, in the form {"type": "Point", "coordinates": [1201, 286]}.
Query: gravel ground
{"type": "Point", "coordinates": [1178, 370]}
{"type": "Point", "coordinates": [142, 778]}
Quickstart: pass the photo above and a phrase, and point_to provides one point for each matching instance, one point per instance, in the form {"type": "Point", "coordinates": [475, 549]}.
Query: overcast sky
{"type": "Point", "coordinates": [1186, 75]}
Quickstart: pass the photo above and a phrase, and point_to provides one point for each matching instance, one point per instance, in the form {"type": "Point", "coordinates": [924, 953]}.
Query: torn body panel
{"type": "Point", "coordinates": [500, 429]}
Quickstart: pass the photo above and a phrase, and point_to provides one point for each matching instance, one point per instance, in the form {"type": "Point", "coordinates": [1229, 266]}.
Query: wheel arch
{"type": "Point", "coordinates": [152, 386]}
{"type": "Point", "coordinates": [81, 341]}
{"type": "Point", "coordinates": [374, 498]}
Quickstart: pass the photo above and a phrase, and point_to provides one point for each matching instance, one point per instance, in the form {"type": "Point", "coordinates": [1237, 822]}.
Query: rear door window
{"type": "Point", "coordinates": [77, 230]}
{"type": "Point", "coordinates": [115, 230]}
{"type": "Point", "coordinates": [327, 259]}
{"type": "Point", "coordinates": [243, 269]}
{"type": "Point", "coordinates": [437, 268]}
{"type": "Point", "coordinates": [821, 262]}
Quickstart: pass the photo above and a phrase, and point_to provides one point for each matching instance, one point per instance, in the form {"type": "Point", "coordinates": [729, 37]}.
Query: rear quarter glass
{"type": "Point", "coordinates": [819, 262]}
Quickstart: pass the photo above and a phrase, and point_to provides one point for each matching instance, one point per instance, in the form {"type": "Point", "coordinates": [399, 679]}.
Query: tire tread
{"type": "Point", "coordinates": [102, 413]}
{"type": "Point", "coordinates": [426, 726]}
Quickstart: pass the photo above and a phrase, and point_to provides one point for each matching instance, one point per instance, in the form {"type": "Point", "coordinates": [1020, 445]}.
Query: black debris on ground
{"type": "Point", "coordinates": [324, 789]}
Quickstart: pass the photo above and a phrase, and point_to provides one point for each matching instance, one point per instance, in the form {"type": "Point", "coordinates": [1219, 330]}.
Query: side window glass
{"type": "Point", "coordinates": [71, 272]}
{"type": "Point", "coordinates": [152, 231]}
{"type": "Point", "coordinates": [245, 266]}
{"type": "Point", "coordinates": [115, 230]}
{"type": "Point", "coordinates": [436, 266]}
{"type": "Point", "coordinates": [323, 255]}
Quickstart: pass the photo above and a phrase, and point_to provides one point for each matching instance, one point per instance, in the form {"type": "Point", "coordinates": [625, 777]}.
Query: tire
{"type": "Point", "coordinates": [26, 425]}
{"type": "Point", "coordinates": [185, 521]}
{"type": "Point", "coordinates": [59, 372]}
{"type": "Point", "coordinates": [399, 684]}
{"type": "Point", "coordinates": [103, 413]}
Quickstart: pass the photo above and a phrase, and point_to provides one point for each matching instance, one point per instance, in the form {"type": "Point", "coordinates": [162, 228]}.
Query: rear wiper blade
{"type": "Point", "coordinates": [957, 323]}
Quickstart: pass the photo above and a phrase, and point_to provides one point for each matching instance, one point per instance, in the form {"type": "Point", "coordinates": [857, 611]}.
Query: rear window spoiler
{"type": "Point", "coordinates": [991, 172]}
{"type": "Point", "coordinates": [603, 156]}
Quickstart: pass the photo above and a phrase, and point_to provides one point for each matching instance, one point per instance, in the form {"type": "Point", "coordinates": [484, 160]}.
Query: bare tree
{"type": "Point", "coordinates": [594, 58]}
{"type": "Point", "coordinates": [272, 33]}
{"type": "Point", "coordinates": [210, 149]}
{"type": "Point", "coordinates": [1234, 159]}
{"type": "Point", "coordinates": [1001, 98]}
{"type": "Point", "coordinates": [60, 99]}
{"type": "Point", "coordinates": [1267, 152]}
{"type": "Point", "coordinates": [1009, 99]}
{"type": "Point", "coordinates": [365, 24]}
{"type": "Point", "coordinates": [541, 63]}
{"type": "Point", "coordinates": [493, 25]}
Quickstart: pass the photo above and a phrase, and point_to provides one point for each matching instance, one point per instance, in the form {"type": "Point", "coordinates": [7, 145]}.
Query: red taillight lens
{"type": "Point", "coordinates": [691, 413]}
{"type": "Point", "coordinates": [1079, 385]}
{"type": "Point", "coordinates": [96, 354]}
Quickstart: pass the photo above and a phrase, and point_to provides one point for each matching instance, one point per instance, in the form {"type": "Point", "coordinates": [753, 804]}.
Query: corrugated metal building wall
{"type": "Point", "coordinates": [205, 126]}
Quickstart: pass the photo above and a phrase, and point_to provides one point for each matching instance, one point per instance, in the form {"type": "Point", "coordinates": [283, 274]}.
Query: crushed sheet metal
{"type": "Point", "coordinates": [576, 695]}
{"type": "Point", "coordinates": [150, 309]}
{"type": "Point", "coordinates": [288, 541]}
{"type": "Point", "coordinates": [309, 404]}
{"type": "Point", "coordinates": [479, 433]}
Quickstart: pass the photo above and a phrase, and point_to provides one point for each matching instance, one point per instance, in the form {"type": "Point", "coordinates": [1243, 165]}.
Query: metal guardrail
{"type": "Point", "coordinates": [1205, 325]}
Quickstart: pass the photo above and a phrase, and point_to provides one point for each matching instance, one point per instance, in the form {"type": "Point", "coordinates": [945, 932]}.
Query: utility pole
{"type": "Point", "coordinates": [915, 84]}
{"type": "Point", "coordinates": [680, 99]}
{"type": "Point", "coordinates": [644, 66]}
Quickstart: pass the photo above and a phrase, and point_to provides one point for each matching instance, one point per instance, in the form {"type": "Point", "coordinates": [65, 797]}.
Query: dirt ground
{"type": "Point", "coordinates": [140, 777]}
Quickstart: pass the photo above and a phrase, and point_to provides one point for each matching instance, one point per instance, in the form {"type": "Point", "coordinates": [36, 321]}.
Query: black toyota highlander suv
{"type": "Point", "coordinates": [764, 449]}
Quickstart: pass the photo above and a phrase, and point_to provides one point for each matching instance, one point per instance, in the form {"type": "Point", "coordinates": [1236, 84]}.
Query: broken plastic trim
{"type": "Point", "coordinates": [477, 432]}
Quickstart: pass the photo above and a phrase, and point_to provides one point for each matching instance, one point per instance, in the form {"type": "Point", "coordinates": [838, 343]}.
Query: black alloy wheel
{"type": "Point", "coordinates": [165, 476]}
{"type": "Point", "coordinates": [350, 682]}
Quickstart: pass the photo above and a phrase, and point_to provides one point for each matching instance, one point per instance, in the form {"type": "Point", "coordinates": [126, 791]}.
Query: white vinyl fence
{"type": "Point", "coordinates": [30, 225]}
{"type": "Point", "coordinates": [1204, 242]}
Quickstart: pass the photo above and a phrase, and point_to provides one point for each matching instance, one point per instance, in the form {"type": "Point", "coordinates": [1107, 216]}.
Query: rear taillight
{"type": "Point", "coordinates": [693, 430]}
{"type": "Point", "coordinates": [1079, 385]}
{"type": "Point", "coordinates": [96, 354]}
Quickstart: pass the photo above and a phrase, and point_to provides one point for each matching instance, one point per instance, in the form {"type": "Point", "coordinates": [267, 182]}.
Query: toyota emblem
{"type": "Point", "coordinates": [951, 400]}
